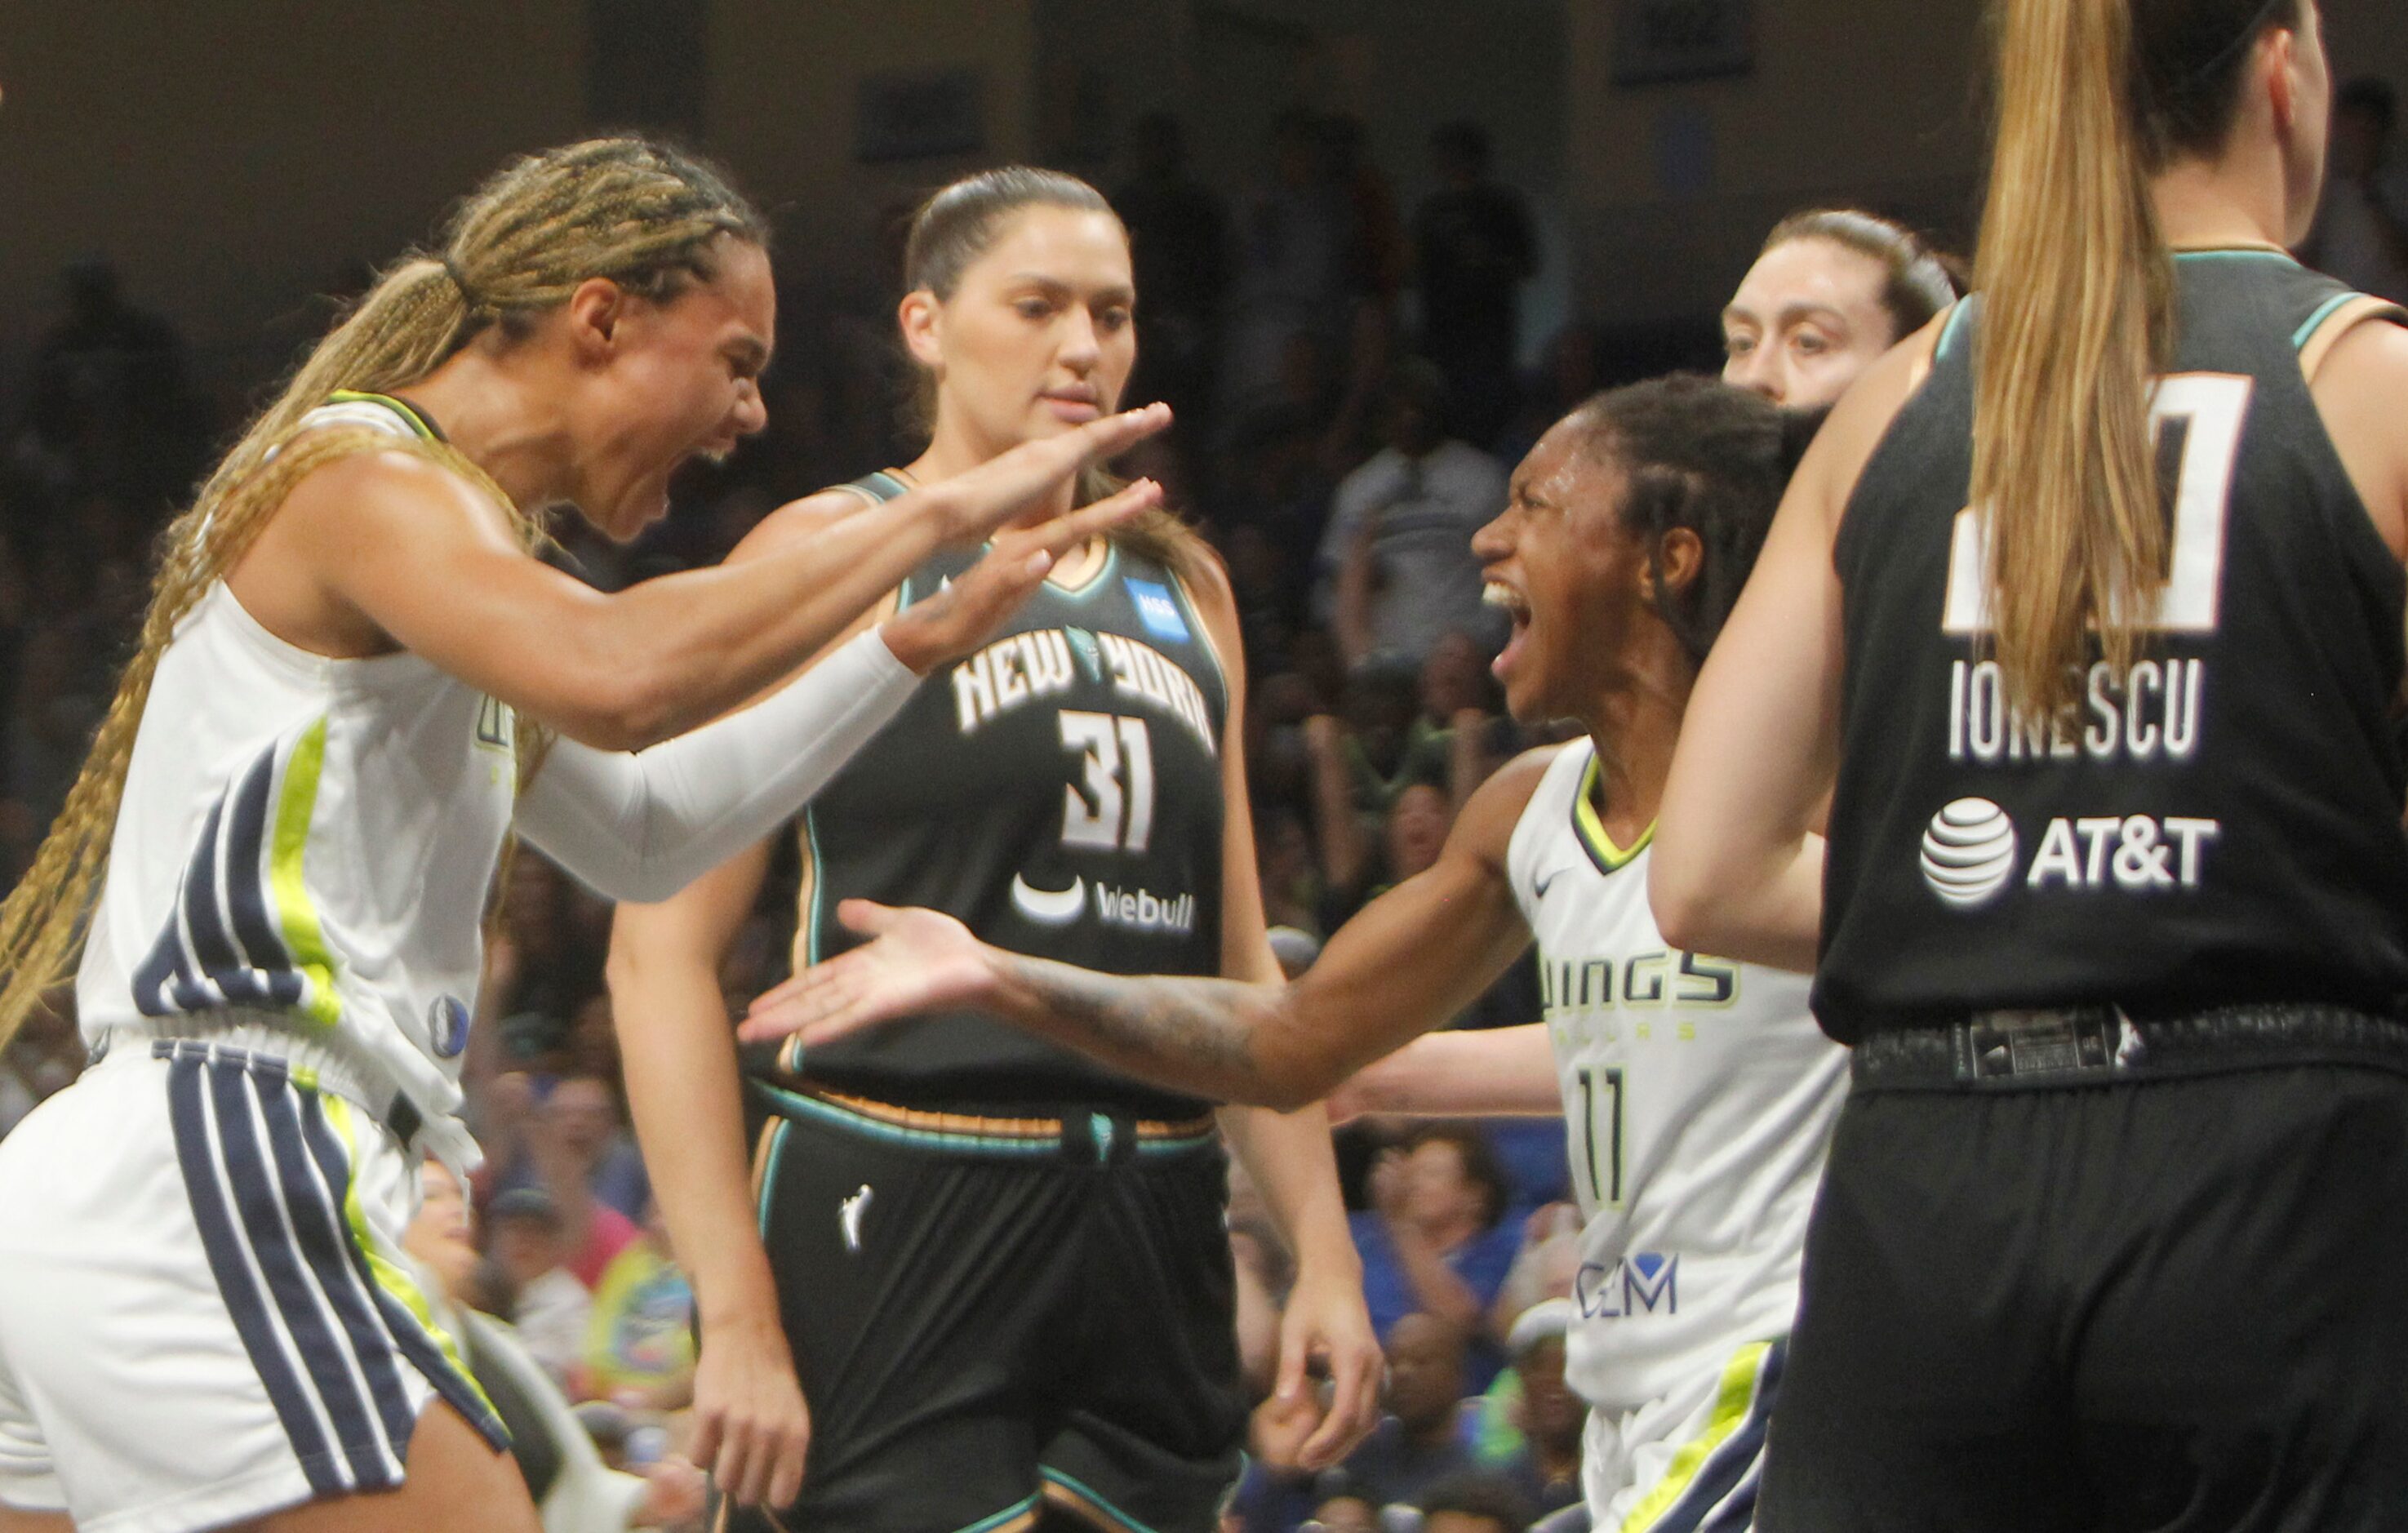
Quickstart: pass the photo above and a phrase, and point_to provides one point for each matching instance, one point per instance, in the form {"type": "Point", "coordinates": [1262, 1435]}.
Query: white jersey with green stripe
{"type": "Point", "coordinates": [1698, 1103]}
{"type": "Point", "coordinates": [303, 851]}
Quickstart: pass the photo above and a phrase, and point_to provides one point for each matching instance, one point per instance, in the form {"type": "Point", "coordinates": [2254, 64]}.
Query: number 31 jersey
{"type": "Point", "coordinates": [1698, 1103]}
{"type": "Point", "coordinates": [1059, 791]}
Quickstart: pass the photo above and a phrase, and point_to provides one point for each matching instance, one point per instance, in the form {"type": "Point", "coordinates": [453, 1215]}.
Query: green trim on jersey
{"type": "Point", "coordinates": [425, 428]}
{"type": "Point", "coordinates": [1608, 857]}
{"type": "Point", "coordinates": [303, 933]}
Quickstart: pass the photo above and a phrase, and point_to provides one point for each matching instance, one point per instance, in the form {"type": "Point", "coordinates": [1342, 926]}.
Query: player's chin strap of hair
{"type": "Point", "coordinates": [2248, 34]}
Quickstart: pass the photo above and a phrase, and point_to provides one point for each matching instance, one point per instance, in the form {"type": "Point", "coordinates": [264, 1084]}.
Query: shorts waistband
{"type": "Point", "coordinates": [2095, 1045]}
{"type": "Point", "coordinates": [309, 1061]}
{"type": "Point", "coordinates": [1096, 1136]}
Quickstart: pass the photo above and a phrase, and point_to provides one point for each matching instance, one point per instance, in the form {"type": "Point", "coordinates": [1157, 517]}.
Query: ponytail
{"type": "Point", "coordinates": [2093, 98]}
{"type": "Point", "coordinates": [2076, 314]}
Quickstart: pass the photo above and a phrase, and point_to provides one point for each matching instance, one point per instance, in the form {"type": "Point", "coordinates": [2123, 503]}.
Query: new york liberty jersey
{"type": "Point", "coordinates": [1698, 1103]}
{"type": "Point", "coordinates": [1059, 791]}
{"type": "Point", "coordinates": [2217, 821]}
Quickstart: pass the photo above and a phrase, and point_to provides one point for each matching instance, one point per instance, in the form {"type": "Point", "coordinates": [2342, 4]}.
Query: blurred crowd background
{"type": "Point", "coordinates": [1355, 373]}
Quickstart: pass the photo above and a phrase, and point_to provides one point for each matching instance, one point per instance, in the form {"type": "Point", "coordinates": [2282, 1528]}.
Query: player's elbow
{"type": "Point", "coordinates": [1682, 901]}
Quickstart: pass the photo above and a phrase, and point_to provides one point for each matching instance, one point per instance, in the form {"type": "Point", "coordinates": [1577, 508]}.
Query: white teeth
{"type": "Point", "coordinates": [1496, 594]}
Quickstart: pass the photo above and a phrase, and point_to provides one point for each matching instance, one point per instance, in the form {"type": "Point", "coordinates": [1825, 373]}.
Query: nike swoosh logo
{"type": "Point", "coordinates": [1548, 883]}
{"type": "Point", "coordinates": [1050, 907]}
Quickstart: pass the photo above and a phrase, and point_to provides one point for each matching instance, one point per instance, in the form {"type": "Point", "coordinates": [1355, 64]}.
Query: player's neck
{"type": "Point", "coordinates": [500, 421]}
{"type": "Point", "coordinates": [953, 450]}
{"type": "Point", "coordinates": [1635, 723]}
{"type": "Point", "coordinates": [2237, 200]}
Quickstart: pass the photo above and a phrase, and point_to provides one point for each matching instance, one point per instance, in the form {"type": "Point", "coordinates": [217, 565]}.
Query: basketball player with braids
{"type": "Point", "coordinates": [1697, 1091]}
{"type": "Point", "coordinates": [1003, 1271]}
{"type": "Point", "coordinates": [354, 680]}
{"type": "Point", "coordinates": [2089, 603]}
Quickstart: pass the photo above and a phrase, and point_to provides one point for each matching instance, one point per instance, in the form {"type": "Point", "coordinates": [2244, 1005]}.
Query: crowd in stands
{"type": "Point", "coordinates": [1338, 445]}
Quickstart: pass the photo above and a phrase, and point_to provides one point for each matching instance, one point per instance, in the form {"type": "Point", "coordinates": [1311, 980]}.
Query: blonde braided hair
{"type": "Point", "coordinates": [637, 212]}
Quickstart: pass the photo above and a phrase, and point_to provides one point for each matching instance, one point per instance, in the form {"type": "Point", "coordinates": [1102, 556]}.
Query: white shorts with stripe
{"type": "Point", "coordinates": [204, 1313]}
{"type": "Point", "coordinates": [1690, 1461]}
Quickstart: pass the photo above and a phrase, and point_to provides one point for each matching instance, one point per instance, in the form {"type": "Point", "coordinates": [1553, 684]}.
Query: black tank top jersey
{"type": "Point", "coordinates": [1060, 793]}
{"type": "Point", "coordinates": [2219, 824]}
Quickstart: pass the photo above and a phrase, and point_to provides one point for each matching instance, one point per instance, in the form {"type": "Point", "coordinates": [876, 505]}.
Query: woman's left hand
{"type": "Point", "coordinates": [1325, 1322]}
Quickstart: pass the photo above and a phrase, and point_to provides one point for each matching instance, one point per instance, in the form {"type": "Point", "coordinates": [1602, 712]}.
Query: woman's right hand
{"type": "Point", "coordinates": [973, 504]}
{"type": "Point", "coordinates": [750, 1426]}
{"type": "Point", "coordinates": [964, 615]}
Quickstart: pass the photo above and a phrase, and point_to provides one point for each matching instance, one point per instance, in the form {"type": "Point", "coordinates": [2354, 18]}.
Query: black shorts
{"type": "Point", "coordinates": [993, 1316]}
{"type": "Point", "coordinates": [2179, 1304]}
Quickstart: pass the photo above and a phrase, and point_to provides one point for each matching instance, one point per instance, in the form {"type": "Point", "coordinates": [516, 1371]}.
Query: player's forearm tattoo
{"type": "Point", "coordinates": [1193, 1033]}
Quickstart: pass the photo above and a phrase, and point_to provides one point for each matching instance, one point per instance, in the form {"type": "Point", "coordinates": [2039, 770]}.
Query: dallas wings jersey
{"type": "Point", "coordinates": [2216, 823]}
{"type": "Point", "coordinates": [1059, 791]}
{"type": "Point", "coordinates": [287, 821]}
{"type": "Point", "coordinates": [1698, 1102]}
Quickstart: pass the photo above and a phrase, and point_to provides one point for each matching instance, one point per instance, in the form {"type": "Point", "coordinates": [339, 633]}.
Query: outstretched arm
{"type": "Point", "coordinates": [1497, 1072]}
{"type": "Point", "coordinates": [1409, 961]}
{"type": "Point", "coordinates": [640, 826]}
{"type": "Point", "coordinates": [389, 544]}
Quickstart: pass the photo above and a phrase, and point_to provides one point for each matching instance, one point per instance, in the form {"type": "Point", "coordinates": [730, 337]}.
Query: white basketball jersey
{"type": "Point", "coordinates": [1698, 1103]}
{"type": "Point", "coordinates": [303, 855]}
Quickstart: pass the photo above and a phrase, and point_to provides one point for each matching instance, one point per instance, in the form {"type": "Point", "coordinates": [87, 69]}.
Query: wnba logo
{"type": "Point", "coordinates": [1969, 852]}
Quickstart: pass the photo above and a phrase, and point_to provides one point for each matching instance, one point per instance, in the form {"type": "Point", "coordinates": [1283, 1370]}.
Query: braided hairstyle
{"type": "Point", "coordinates": [640, 213]}
{"type": "Point", "coordinates": [1701, 455]}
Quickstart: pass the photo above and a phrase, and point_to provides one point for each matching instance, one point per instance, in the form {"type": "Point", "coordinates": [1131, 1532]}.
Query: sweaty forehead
{"type": "Point", "coordinates": [1809, 273]}
{"type": "Point", "coordinates": [1076, 247]}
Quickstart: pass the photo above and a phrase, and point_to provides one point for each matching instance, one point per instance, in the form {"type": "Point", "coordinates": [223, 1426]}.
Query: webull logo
{"type": "Point", "coordinates": [1142, 910]}
{"type": "Point", "coordinates": [1645, 1282]}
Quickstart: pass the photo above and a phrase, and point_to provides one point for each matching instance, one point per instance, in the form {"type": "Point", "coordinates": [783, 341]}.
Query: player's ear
{"type": "Point", "coordinates": [921, 317]}
{"type": "Point", "coordinates": [1679, 554]}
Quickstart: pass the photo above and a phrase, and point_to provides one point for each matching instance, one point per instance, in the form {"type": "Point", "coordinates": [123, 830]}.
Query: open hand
{"type": "Point", "coordinates": [965, 614]}
{"type": "Point", "coordinates": [920, 960]}
{"type": "Point", "coordinates": [975, 503]}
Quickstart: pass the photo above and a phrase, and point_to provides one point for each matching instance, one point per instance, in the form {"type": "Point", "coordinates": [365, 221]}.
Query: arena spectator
{"type": "Point", "coordinates": [574, 1490]}
{"type": "Point", "coordinates": [1395, 570]}
{"type": "Point", "coordinates": [1473, 248]}
{"type": "Point", "coordinates": [1433, 1240]}
{"type": "Point", "coordinates": [1424, 1438]}
{"type": "Point", "coordinates": [1292, 240]}
{"type": "Point", "coordinates": [1475, 1503]}
{"type": "Point", "coordinates": [578, 1150]}
{"type": "Point", "coordinates": [1179, 242]}
{"type": "Point", "coordinates": [640, 1333]}
{"type": "Point", "coordinates": [547, 1303]}
{"type": "Point", "coordinates": [1543, 1462]}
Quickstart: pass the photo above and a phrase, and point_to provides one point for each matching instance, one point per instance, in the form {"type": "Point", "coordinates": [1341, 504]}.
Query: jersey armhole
{"type": "Point", "coordinates": [2324, 330]}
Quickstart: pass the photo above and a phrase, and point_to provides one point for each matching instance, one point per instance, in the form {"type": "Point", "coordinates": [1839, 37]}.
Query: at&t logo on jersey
{"type": "Point", "coordinates": [1970, 851]}
{"type": "Point", "coordinates": [1647, 1282]}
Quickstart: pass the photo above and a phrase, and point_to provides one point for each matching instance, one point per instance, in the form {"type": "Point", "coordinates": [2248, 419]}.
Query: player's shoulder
{"type": "Point", "coordinates": [799, 521]}
{"type": "Point", "coordinates": [1497, 805]}
{"type": "Point", "coordinates": [372, 480]}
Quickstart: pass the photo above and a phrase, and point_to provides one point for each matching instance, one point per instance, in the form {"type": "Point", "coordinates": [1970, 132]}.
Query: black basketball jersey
{"type": "Point", "coordinates": [1060, 793]}
{"type": "Point", "coordinates": [2219, 822]}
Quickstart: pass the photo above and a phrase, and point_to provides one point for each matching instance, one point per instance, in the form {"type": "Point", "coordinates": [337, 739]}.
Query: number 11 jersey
{"type": "Point", "coordinates": [1699, 1104]}
{"type": "Point", "coordinates": [1059, 791]}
